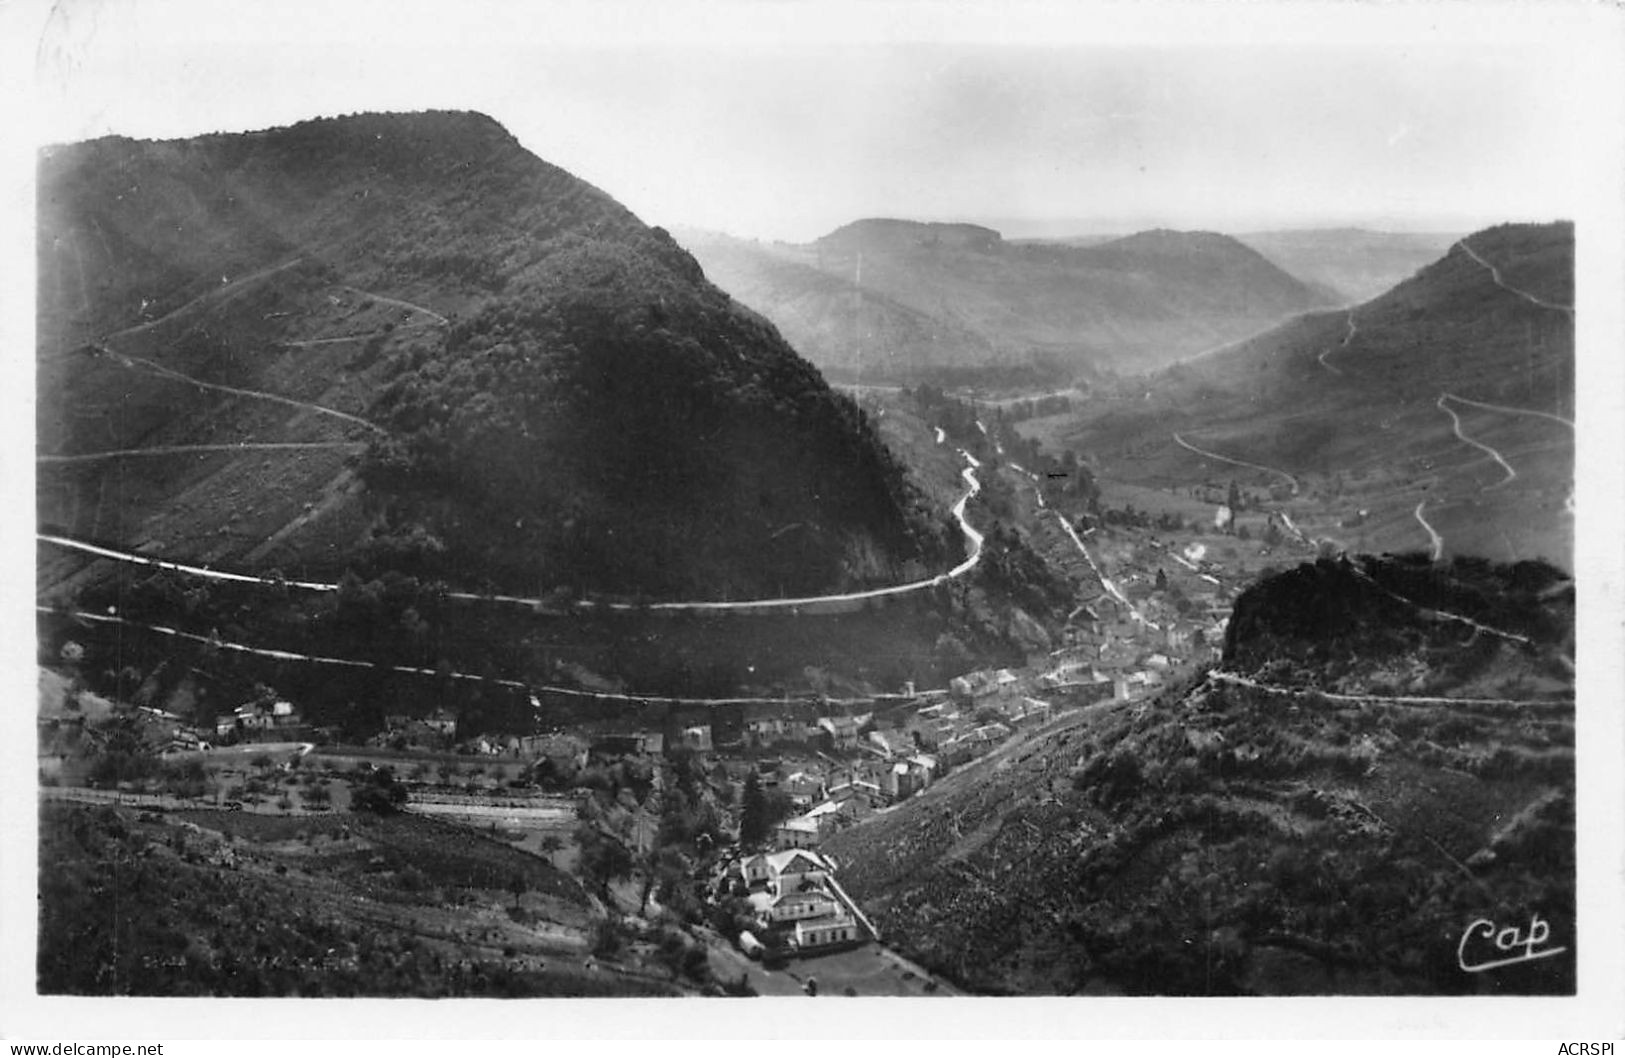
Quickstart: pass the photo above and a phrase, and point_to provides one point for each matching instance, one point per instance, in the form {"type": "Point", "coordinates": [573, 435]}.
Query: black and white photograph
{"type": "Point", "coordinates": [922, 503]}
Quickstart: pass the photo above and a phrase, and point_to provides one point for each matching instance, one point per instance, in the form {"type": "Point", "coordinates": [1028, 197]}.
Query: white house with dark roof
{"type": "Point", "coordinates": [827, 931]}
{"type": "Point", "coordinates": [798, 833]}
{"type": "Point", "coordinates": [799, 904]}
{"type": "Point", "coordinates": [785, 869]}
{"type": "Point", "coordinates": [843, 730]}
{"type": "Point", "coordinates": [697, 738]}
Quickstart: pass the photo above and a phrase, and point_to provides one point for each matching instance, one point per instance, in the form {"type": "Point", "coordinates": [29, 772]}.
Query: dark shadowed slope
{"type": "Point", "coordinates": [550, 393]}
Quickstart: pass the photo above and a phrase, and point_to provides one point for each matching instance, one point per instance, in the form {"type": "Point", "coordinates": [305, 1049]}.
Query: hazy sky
{"type": "Point", "coordinates": [784, 120]}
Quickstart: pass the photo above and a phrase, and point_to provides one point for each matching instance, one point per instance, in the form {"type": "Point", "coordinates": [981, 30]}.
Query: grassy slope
{"type": "Point", "coordinates": [1223, 840]}
{"type": "Point", "coordinates": [1273, 401]}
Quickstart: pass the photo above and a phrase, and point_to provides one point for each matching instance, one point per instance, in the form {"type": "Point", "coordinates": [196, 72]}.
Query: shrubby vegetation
{"type": "Point", "coordinates": [1371, 609]}
{"type": "Point", "coordinates": [1224, 840]}
{"type": "Point", "coordinates": [131, 907]}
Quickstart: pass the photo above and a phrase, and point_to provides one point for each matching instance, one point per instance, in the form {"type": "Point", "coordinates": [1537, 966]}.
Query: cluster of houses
{"type": "Point", "coordinates": [844, 793]}
{"type": "Point", "coordinates": [435, 731]}
{"type": "Point", "coordinates": [253, 719]}
{"type": "Point", "coordinates": [794, 892]}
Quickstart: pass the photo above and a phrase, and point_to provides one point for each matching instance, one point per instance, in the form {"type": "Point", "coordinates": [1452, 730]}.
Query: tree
{"type": "Point", "coordinates": [1162, 580]}
{"type": "Point", "coordinates": [1233, 497]}
{"type": "Point", "coordinates": [381, 794]}
{"type": "Point", "coordinates": [602, 860]}
{"type": "Point", "coordinates": [753, 824]}
{"type": "Point", "coordinates": [666, 869]}
{"type": "Point", "coordinates": [551, 845]}
{"type": "Point", "coordinates": [670, 952]}
{"type": "Point", "coordinates": [518, 886]}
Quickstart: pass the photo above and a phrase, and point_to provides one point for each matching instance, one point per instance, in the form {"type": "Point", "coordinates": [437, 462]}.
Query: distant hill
{"type": "Point", "coordinates": [1363, 406]}
{"type": "Point", "coordinates": [500, 376]}
{"type": "Point", "coordinates": [853, 333]}
{"type": "Point", "coordinates": [1304, 820]}
{"type": "Point", "coordinates": [941, 296]}
{"type": "Point", "coordinates": [1352, 264]}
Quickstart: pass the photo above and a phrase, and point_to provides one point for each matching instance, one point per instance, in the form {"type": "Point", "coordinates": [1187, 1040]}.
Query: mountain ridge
{"type": "Point", "coordinates": [600, 336]}
{"type": "Point", "coordinates": [1127, 304]}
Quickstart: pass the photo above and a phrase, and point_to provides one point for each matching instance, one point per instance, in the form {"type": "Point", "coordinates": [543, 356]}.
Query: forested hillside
{"type": "Point", "coordinates": [534, 390]}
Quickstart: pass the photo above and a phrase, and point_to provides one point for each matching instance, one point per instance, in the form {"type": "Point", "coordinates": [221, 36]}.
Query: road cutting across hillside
{"type": "Point", "coordinates": [1511, 410]}
{"type": "Point", "coordinates": [1495, 274]}
{"type": "Point", "coordinates": [1237, 462]}
{"type": "Point", "coordinates": [1433, 534]}
{"type": "Point", "coordinates": [1455, 422]}
{"type": "Point", "coordinates": [1340, 345]}
{"type": "Point", "coordinates": [152, 366]}
{"type": "Point", "coordinates": [397, 301]}
{"type": "Point", "coordinates": [533, 689]}
{"type": "Point", "coordinates": [175, 450]}
{"type": "Point", "coordinates": [227, 287]}
{"type": "Point", "coordinates": [793, 605]}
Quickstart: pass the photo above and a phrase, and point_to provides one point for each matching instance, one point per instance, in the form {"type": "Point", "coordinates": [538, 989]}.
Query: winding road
{"type": "Point", "coordinates": [159, 369]}
{"type": "Point", "coordinates": [1349, 337]}
{"type": "Point", "coordinates": [1433, 535]}
{"type": "Point", "coordinates": [1238, 680]}
{"type": "Point", "coordinates": [141, 363]}
{"type": "Point", "coordinates": [171, 450]}
{"type": "Point", "coordinates": [975, 539]}
{"type": "Point", "coordinates": [411, 670]}
{"type": "Point", "coordinates": [1495, 274]}
{"type": "Point", "coordinates": [1511, 410]}
{"type": "Point", "coordinates": [397, 301]}
{"type": "Point", "coordinates": [1237, 462]}
{"type": "Point", "coordinates": [1106, 582]}
{"type": "Point", "coordinates": [1434, 612]}
{"type": "Point", "coordinates": [1568, 502]}
{"type": "Point", "coordinates": [233, 287]}
{"type": "Point", "coordinates": [1455, 421]}
{"type": "Point", "coordinates": [205, 572]}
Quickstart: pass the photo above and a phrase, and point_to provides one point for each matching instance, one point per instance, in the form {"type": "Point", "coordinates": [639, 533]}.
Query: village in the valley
{"type": "Point", "coordinates": [807, 768]}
